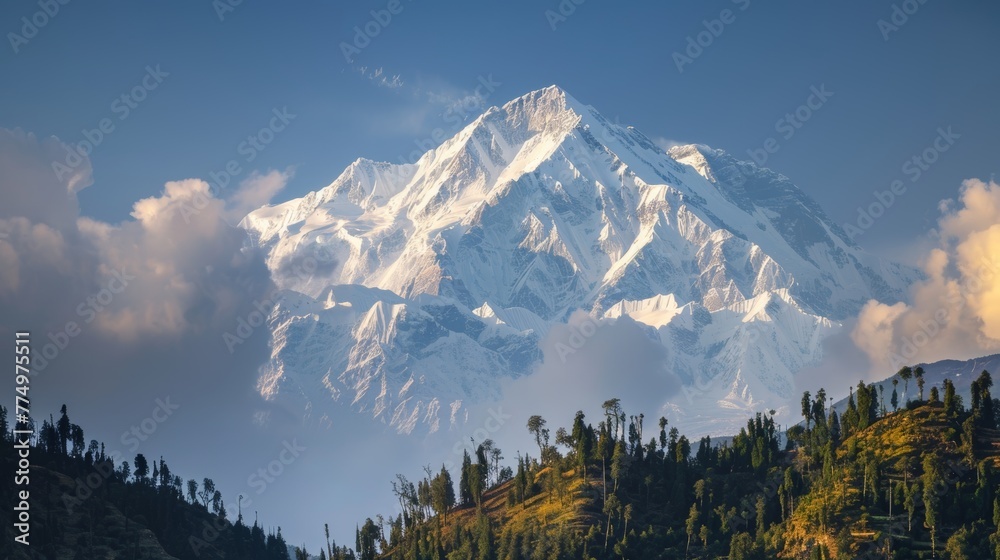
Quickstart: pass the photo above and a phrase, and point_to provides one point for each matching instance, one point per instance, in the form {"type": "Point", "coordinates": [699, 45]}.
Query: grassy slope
{"type": "Point", "coordinates": [901, 437]}
{"type": "Point", "coordinates": [579, 509]}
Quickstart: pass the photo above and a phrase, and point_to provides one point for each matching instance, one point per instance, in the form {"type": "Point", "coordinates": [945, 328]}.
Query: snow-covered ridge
{"type": "Point", "coordinates": [445, 275]}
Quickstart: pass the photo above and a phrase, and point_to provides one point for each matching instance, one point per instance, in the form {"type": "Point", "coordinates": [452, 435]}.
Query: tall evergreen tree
{"type": "Point", "coordinates": [442, 493]}
{"type": "Point", "coordinates": [465, 481]}
{"type": "Point", "coordinates": [141, 467]}
{"type": "Point", "coordinates": [931, 480]}
{"type": "Point", "coordinates": [952, 402]}
{"type": "Point", "coordinates": [806, 408]}
{"type": "Point", "coordinates": [918, 373]}
{"type": "Point", "coordinates": [536, 427]}
{"type": "Point", "coordinates": [906, 373]}
{"type": "Point", "coordinates": [894, 400]}
{"type": "Point", "coordinates": [583, 443]}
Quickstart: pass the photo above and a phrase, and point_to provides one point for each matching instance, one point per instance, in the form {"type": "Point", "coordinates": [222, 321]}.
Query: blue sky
{"type": "Point", "coordinates": [220, 79]}
{"type": "Point", "coordinates": [227, 74]}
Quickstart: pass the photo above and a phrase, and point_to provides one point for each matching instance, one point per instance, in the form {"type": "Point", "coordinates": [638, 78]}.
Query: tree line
{"type": "Point", "coordinates": [616, 488]}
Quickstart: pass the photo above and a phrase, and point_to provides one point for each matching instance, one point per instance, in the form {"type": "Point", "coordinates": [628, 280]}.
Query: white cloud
{"type": "Point", "coordinates": [955, 312]}
{"type": "Point", "coordinates": [667, 143]}
{"type": "Point", "coordinates": [181, 265]}
{"type": "Point", "coordinates": [256, 191]}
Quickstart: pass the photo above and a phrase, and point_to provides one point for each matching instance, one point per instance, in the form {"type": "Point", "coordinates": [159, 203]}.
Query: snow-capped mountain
{"type": "Point", "coordinates": [445, 275]}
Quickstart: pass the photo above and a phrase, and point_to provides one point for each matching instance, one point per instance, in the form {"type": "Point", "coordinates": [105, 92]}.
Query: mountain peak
{"type": "Point", "coordinates": [548, 104]}
{"type": "Point", "coordinates": [450, 271]}
{"type": "Point", "coordinates": [552, 92]}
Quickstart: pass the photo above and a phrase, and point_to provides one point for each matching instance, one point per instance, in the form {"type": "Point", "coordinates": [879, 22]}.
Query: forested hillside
{"type": "Point", "coordinates": [883, 480]}
{"type": "Point", "coordinates": [89, 504]}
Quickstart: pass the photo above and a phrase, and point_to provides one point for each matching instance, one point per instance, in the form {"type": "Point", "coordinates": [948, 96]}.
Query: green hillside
{"type": "Point", "coordinates": [920, 482]}
{"type": "Point", "coordinates": [88, 505]}
{"type": "Point", "coordinates": [871, 483]}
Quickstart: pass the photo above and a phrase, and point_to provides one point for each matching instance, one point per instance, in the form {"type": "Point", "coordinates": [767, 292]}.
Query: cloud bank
{"type": "Point", "coordinates": [122, 314]}
{"type": "Point", "coordinates": [955, 312]}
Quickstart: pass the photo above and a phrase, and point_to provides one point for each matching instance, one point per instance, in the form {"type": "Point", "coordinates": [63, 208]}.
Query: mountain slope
{"type": "Point", "coordinates": [442, 276]}
{"type": "Point", "coordinates": [961, 373]}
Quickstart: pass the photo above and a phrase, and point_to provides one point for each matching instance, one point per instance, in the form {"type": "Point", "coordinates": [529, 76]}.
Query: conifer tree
{"type": "Point", "coordinates": [465, 481]}
{"type": "Point", "coordinates": [918, 373]}
{"type": "Point", "coordinates": [894, 400]}
{"type": "Point", "coordinates": [906, 373]}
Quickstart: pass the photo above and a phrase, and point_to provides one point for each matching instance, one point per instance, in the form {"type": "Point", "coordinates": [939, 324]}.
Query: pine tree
{"type": "Point", "coordinates": [910, 503]}
{"type": "Point", "coordinates": [865, 406]}
{"type": "Point", "coordinates": [619, 464]}
{"type": "Point", "coordinates": [906, 373]}
{"type": "Point", "coordinates": [743, 547]}
{"type": "Point", "coordinates": [958, 546]}
{"type": "Point", "coordinates": [366, 538]}
{"type": "Point", "coordinates": [819, 408]}
{"type": "Point", "coordinates": [520, 482]}
{"type": "Point", "coordinates": [465, 481]}
{"type": "Point", "coordinates": [931, 479]}
{"type": "Point", "coordinates": [583, 442]}
{"type": "Point", "coordinates": [611, 507]}
{"type": "Point", "coordinates": [207, 491]}
{"type": "Point", "coordinates": [192, 489]}
{"type": "Point", "coordinates": [63, 429]}
{"type": "Point", "coordinates": [835, 430]}
{"type": "Point", "coordinates": [806, 408]}
{"type": "Point", "coordinates": [442, 493]}
{"type": "Point", "coordinates": [952, 406]}
{"type": "Point", "coordinates": [691, 525]}
{"type": "Point", "coordinates": [894, 400]}
{"type": "Point", "coordinates": [982, 401]}
{"type": "Point", "coordinates": [849, 421]}
{"type": "Point", "coordinates": [536, 427]}
{"type": "Point", "coordinates": [141, 467]}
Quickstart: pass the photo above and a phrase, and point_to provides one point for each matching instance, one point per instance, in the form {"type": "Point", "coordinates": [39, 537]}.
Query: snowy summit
{"type": "Point", "coordinates": [443, 276]}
